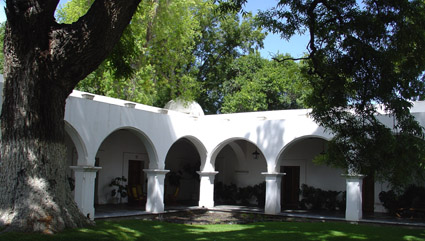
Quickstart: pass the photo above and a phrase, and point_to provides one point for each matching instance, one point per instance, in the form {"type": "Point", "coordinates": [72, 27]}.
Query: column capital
{"type": "Point", "coordinates": [274, 174]}
{"type": "Point", "coordinates": [85, 168]}
{"type": "Point", "coordinates": [202, 174]}
{"type": "Point", "coordinates": [156, 171]}
{"type": "Point", "coordinates": [353, 176]}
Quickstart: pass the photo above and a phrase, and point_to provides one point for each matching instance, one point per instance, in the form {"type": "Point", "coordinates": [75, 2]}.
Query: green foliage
{"type": "Point", "coordinates": [224, 39]}
{"type": "Point", "coordinates": [401, 163]}
{"type": "Point", "coordinates": [401, 202]}
{"type": "Point", "coordinates": [120, 189]}
{"type": "Point", "coordinates": [318, 199]}
{"type": "Point", "coordinates": [260, 84]}
{"type": "Point", "coordinates": [231, 194]}
{"type": "Point", "coordinates": [71, 11]}
{"type": "Point", "coordinates": [362, 64]}
{"type": "Point", "coordinates": [193, 51]}
{"type": "Point", "coordinates": [150, 63]}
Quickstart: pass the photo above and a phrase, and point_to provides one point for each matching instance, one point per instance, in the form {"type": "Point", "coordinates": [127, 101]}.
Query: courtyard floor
{"type": "Point", "coordinates": [236, 212]}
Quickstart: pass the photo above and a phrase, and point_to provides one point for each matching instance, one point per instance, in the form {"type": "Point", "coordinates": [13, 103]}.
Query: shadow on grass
{"type": "Point", "coordinates": [136, 230]}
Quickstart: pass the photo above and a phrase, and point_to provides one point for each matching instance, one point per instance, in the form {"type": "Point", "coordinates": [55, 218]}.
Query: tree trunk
{"type": "Point", "coordinates": [43, 63]}
{"type": "Point", "coordinates": [35, 193]}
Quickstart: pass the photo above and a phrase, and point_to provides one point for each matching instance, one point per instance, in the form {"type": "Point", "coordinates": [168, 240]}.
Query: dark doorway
{"type": "Point", "coordinates": [182, 182]}
{"type": "Point", "coordinates": [368, 194]}
{"type": "Point", "coordinates": [290, 187]}
{"type": "Point", "coordinates": [135, 181]}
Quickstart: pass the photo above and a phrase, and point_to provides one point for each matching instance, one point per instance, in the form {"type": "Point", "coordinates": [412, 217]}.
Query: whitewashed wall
{"type": "Point", "coordinates": [301, 154]}
{"type": "Point", "coordinates": [113, 155]}
{"type": "Point", "coordinates": [274, 133]}
{"type": "Point", "coordinates": [242, 170]}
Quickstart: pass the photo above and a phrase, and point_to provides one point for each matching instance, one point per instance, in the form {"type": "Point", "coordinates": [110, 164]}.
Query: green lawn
{"type": "Point", "coordinates": [154, 230]}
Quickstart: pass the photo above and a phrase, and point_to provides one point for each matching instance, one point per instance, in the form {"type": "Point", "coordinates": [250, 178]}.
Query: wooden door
{"type": "Point", "coordinates": [135, 173]}
{"type": "Point", "coordinates": [368, 194]}
{"type": "Point", "coordinates": [290, 187]}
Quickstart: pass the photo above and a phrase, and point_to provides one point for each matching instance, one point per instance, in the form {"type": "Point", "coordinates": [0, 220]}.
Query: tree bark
{"type": "Point", "coordinates": [44, 61]}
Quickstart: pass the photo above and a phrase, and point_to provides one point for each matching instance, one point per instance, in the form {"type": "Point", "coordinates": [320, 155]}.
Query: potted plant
{"type": "Point", "coordinates": [119, 190]}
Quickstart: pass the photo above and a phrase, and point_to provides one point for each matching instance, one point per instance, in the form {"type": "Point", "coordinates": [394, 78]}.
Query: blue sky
{"type": "Point", "coordinates": [273, 44]}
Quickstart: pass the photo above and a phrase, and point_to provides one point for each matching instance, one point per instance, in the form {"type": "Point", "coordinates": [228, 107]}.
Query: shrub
{"type": "Point", "coordinates": [410, 198]}
{"type": "Point", "coordinates": [318, 199]}
{"type": "Point", "coordinates": [225, 194]}
{"type": "Point", "coordinates": [230, 194]}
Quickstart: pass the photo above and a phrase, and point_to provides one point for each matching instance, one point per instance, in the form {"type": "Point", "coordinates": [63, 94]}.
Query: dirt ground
{"type": "Point", "coordinates": [213, 217]}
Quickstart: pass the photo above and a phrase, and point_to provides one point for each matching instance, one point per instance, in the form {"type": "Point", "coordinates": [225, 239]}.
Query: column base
{"type": "Point", "coordinates": [155, 198]}
{"type": "Point", "coordinates": [206, 192]}
{"type": "Point", "coordinates": [354, 206]}
{"type": "Point", "coordinates": [273, 191]}
{"type": "Point", "coordinates": [84, 188]}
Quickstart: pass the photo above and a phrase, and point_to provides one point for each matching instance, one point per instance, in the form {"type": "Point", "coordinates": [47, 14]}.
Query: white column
{"type": "Point", "coordinates": [84, 188]}
{"type": "Point", "coordinates": [206, 192]}
{"type": "Point", "coordinates": [354, 207]}
{"type": "Point", "coordinates": [155, 199]}
{"type": "Point", "coordinates": [273, 186]}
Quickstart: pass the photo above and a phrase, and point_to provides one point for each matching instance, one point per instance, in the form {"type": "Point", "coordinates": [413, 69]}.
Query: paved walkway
{"type": "Point", "coordinates": [124, 210]}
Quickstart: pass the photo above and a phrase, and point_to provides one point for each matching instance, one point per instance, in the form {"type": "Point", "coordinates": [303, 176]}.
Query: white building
{"type": "Point", "coordinates": [109, 138]}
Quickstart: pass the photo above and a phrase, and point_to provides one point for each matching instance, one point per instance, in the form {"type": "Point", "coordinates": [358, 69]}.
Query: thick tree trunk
{"type": "Point", "coordinates": [43, 63]}
{"type": "Point", "coordinates": [35, 193]}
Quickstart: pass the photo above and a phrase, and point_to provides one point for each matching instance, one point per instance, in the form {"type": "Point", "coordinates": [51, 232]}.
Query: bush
{"type": "Point", "coordinates": [225, 194]}
{"type": "Point", "coordinates": [230, 194]}
{"type": "Point", "coordinates": [390, 201]}
{"type": "Point", "coordinates": [412, 197]}
{"type": "Point", "coordinates": [318, 199]}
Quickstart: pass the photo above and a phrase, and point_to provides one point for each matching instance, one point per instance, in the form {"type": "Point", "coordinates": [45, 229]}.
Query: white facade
{"type": "Point", "coordinates": [204, 149]}
{"type": "Point", "coordinates": [216, 148]}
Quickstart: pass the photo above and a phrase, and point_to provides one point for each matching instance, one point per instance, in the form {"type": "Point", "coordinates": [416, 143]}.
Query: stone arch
{"type": "Point", "coordinates": [295, 141]}
{"type": "Point", "coordinates": [78, 143]}
{"type": "Point", "coordinates": [239, 153]}
{"type": "Point", "coordinates": [183, 160]}
{"type": "Point", "coordinates": [124, 152]}
{"type": "Point", "coordinates": [202, 151]}
{"type": "Point", "coordinates": [149, 145]}
{"type": "Point", "coordinates": [296, 161]}
{"type": "Point", "coordinates": [238, 170]}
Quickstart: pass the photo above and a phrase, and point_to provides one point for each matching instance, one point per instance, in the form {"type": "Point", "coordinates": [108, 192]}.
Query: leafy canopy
{"type": "Point", "coordinates": [150, 64]}
{"type": "Point", "coordinates": [364, 59]}
{"type": "Point", "coordinates": [189, 50]}
{"type": "Point", "coordinates": [261, 84]}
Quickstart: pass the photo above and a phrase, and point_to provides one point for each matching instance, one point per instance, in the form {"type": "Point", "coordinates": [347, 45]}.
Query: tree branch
{"type": "Point", "coordinates": [290, 59]}
{"type": "Point", "coordinates": [79, 48]}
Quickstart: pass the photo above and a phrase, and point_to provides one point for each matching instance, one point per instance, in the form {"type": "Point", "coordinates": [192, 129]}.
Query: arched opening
{"type": "Point", "coordinates": [182, 182]}
{"type": "Point", "coordinates": [239, 180]}
{"type": "Point", "coordinates": [122, 156]}
{"type": "Point", "coordinates": [308, 185]}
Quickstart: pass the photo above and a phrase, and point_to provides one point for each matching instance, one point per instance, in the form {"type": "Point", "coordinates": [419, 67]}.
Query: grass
{"type": "Point", "coordinates": [155, 230]}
